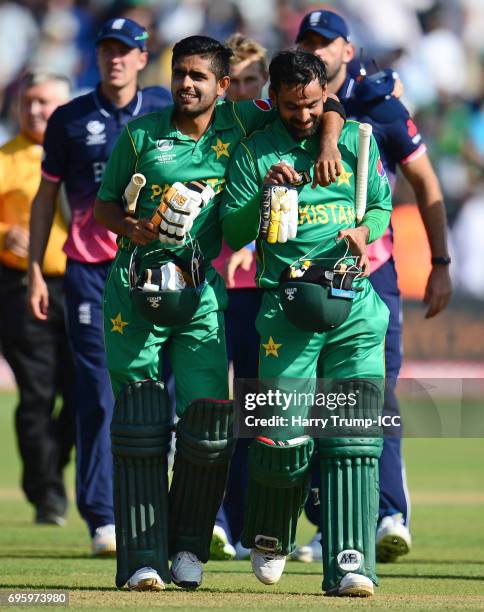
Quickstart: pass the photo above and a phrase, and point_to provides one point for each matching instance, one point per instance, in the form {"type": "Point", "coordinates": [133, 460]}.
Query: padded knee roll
{"type": "Point", "coordinates": [277, 490]}
{"type": "Point", "coordinates": [204, 447]}
{"type": "Point", "coordinates": [140, 437]}
{"type": "Point", "coordinates": [350, 489]}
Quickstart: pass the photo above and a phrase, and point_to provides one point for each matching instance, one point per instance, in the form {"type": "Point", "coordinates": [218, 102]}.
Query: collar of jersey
{"type": "Point", "coordinates": [107, 108]}
{"type": "Point", "coordinates": [346, 90]}
{"type": "Point", "coordinates": [286, 143]}
{"type": "Point", "coordinates": [221, 122]}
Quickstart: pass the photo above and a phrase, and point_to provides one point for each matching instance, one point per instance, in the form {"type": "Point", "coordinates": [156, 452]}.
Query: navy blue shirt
{"type": "Point", "coordinates": [396, 134]}
{"type": "Point", "coordinates": [398, 140]}
{"type": "Point", "coordinates": [78, 141]}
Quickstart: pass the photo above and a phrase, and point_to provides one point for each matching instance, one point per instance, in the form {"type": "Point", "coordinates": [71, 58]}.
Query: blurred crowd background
{"type": "Point", "coordinates": [437, 47]}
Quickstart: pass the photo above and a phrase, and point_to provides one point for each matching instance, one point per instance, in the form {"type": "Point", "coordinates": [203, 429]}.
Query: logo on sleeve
{"type": "Point", "coordinates": [380, 169]}
{"type": "Point", "coordinates": [263, 104]}
{"type": "Point", "coordinates": [412, 131]}
{"type": "Point", "coordinates": [96, 134]}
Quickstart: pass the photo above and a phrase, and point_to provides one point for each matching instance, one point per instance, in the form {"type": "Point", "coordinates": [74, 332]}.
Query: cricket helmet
{"type": "Point", "coordinates": [169, 294]}
{"type": "Point", "coordinates": [315, 298]}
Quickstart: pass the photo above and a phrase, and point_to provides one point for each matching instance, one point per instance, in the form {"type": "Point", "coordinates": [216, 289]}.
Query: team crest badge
{"type": "Point", "coordinates": [379, 168]}
{"type": "Point", "coordinates": [263, 104]}
{"type": "Point", "coordinates": [96, 134]}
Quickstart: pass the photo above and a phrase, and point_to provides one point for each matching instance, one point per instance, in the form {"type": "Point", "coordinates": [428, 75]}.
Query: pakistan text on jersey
{"type": "Point", "coordinates": [158, 191]}
{"type": "Point", "coordinates": [326, 213]}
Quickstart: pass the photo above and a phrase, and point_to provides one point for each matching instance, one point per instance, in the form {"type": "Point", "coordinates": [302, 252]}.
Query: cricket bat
{"type": "Point", "coordinates": [364, 136]}
{"type": "Point", "coordinates": [131, 193]}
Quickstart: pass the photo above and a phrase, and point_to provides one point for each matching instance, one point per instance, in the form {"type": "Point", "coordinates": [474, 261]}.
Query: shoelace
{"type": "Point", "coordinates": [188, 556]}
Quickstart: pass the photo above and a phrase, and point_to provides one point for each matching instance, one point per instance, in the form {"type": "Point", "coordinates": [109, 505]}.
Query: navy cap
{"type": "Point", "coordinates": [126, 30]}
{"type": "Point", "coordinates": [326, 23]}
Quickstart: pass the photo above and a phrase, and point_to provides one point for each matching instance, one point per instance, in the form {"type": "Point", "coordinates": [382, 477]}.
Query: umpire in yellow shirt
{"type": "Point", "coordinates": [37, 351]}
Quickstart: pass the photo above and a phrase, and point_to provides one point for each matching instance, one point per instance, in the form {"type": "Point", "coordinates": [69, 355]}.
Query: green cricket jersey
{"type": "Point", "coordinates": [153, 146]}
{"type": "Point", "coordinates": [323, 211]}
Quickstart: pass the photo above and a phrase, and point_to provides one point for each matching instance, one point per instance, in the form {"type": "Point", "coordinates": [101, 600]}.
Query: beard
{"type": "Point", "coordinates": [300, 134]}
{"type": "Point", "coordinates": [198, 107]}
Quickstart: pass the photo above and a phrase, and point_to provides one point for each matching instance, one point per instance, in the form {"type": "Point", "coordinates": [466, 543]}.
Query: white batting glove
{"type": "Point", "coordinates": [181, 206]}
{"type": "Point", "coordinates": [284, 215]}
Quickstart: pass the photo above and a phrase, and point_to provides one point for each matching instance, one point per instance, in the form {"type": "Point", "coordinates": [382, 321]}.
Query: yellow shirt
{"type": "Point", "coordinates": [19, 180]}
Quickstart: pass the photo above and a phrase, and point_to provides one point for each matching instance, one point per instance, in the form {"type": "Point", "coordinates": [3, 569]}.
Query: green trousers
{"type": "Point", "coordinates": [353, 350]}
{"type": "Point", "coordinates": [196, 351]}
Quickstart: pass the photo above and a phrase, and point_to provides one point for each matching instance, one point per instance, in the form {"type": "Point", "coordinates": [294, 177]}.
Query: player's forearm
{"type": "Point", "coordinates": [377, 221]}
{"type": "Point", "coordinates": [41, 219]}
{"type": "Point", "coordinates": [434, 218]}
{"type": "Point", "coordinates": [428, 194]}
{"type": "Point", "coordinates": [332, 121]}
{"type": "Point", "coordinates": [241, 226]}
{"type": "Point", "coordinates": [113, 217]}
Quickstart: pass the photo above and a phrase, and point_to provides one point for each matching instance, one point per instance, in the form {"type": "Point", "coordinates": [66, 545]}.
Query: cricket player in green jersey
{"type": "Point", "coordinates": [163, 294]}
{"type": "Point", "coordinates": [320, 317]}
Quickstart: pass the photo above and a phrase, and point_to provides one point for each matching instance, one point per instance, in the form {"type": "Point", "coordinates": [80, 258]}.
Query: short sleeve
{"type": "Point", "coordinates": [56, 158]}
{"type": "Point", "coordinates": [404, 141]}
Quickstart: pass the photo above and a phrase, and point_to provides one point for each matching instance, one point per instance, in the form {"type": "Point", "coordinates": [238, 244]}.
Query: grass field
{"type": "Point", "coordinates": [445, 569]}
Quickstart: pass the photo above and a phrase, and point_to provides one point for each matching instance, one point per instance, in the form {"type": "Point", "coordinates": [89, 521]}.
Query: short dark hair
{"type": "Point", "coordinates": [206, 47]}
{"type": "Point", "coordinates": [295, 68]}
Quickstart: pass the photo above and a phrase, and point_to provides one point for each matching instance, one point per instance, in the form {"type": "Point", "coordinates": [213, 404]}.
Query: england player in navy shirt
{"type": "Point", "coordinates": [78, 142]}
{"type": "Point", "coordinates": [369, 100]}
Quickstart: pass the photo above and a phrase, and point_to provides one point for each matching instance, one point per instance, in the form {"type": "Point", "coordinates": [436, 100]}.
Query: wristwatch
{"type": "Point", "coordinates": [440, 261]}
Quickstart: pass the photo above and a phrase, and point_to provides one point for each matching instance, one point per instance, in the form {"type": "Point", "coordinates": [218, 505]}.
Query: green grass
{"type": "Point", "coordinates": [445, 569]}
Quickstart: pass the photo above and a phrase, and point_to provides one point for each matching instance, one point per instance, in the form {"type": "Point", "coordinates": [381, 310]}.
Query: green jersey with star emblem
{"type": "Point", "coordinates": [323, 211]}
{"type": "Point", "coordinates": [153, 146]}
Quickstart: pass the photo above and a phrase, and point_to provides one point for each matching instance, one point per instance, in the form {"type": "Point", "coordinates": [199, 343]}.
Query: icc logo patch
{"type": "Point", "coordinates": [164, 145]}
{"type": "Point", "coordinates": [263, 104]}
{"type": "Point", "coordinates": [96, 134]}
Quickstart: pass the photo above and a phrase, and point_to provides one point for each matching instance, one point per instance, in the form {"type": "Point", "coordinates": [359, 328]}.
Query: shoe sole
{"type": "Point", "coordinates": [356, 590]}
{"type": "Point", "coordinates": [147, 584]}
{"type": "Point", "coordinates": [107, 553]}
{"type": "Point", "coordinates": [217, 552]}
{"type": "Point", "coordinates": [185, 584]}
{"type": "Point", "coordinates": [390, 547]}
{"type": "Point", "coordinates": [57, 521]}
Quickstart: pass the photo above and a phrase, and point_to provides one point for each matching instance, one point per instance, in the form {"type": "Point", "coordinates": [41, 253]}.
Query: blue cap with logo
{"type": "Point", "coordinates": [326, 23]}
{"type": "Point", "coordinates": [126, 30]}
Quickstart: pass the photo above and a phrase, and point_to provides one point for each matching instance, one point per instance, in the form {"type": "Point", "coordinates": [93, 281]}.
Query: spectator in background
{"type": "Point", "coordinates": [37, 351]}
{"type": "Point", "coordinates": [79, 140]}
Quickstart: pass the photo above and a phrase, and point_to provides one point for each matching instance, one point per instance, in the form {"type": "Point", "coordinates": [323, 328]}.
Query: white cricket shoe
{"type": "Point", "coordinates": [393, 539]}
{"type": "Point", "coordinates": [310, 552]}
{"type": "Point", "coordinates": [104, 541]}
{"type": "Point", "coordinates": [186, 570]}
{"type": "Point", "coordinates": [146, 579]}
{"type": "Point", "coordinates": [267, 567]}
{"type": "Point", "coordinates": [354, 585]}
{"type": "Point", "coordinates": [241, 552]}
{"type": "Point", "coordinates": [220, 547]}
